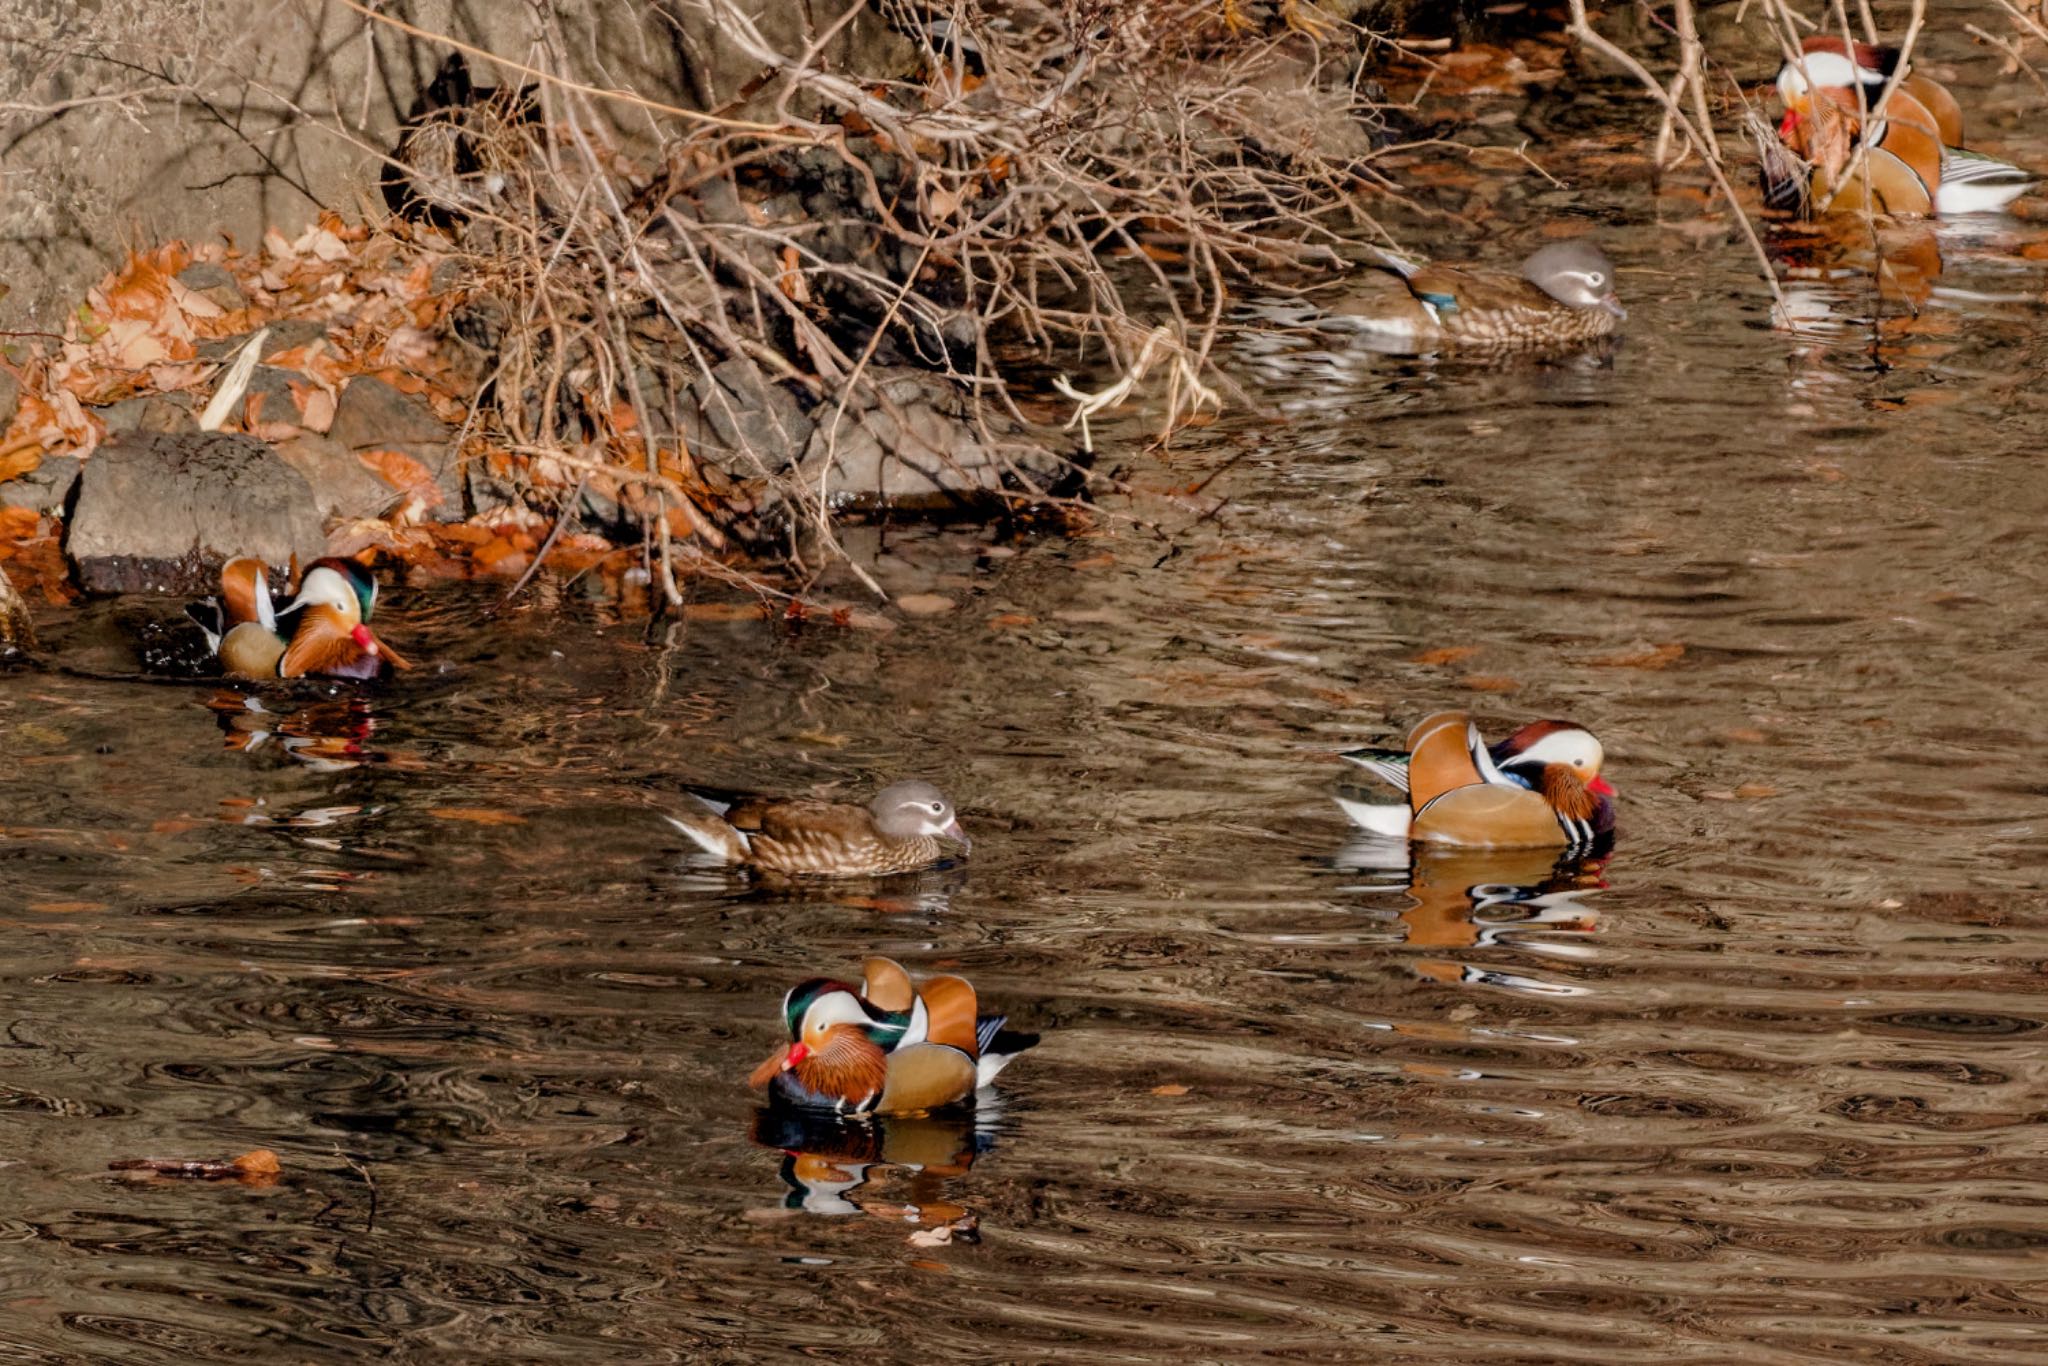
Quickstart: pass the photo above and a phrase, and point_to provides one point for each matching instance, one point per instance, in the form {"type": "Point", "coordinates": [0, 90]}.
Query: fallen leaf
{"type": "Point", "coordinates": [1489, 683]}
{"type": "Point", "coordinates": [1652, 657]}
{"type": "Point", "coordinates": [1446, 654]}
{"type": "Point", "coordinates": [926, 604]}
{"type": "Point", "coordinates": [1170, 1089]}
{"type": "Point", "coordinates": [476, 815]}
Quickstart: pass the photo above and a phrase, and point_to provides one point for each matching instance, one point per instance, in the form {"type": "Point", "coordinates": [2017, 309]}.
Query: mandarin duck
{"type": "Point", "coordinates": [1563, 295]}
{"type": "Point", "coordinates": [897, 832]}
{"type": "Point", "coordinates": [888, 1046]}
{"type": "Point", "coordinates": [323, 631]}
{"type": "Point", "coordinates": [1915, 162]}
{"type": "Point", "coordinates": [1538, 788]}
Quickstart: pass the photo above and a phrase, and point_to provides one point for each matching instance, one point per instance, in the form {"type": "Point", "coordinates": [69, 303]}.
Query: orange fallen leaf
{"type": "Point", "coordinates": [1170, 1089]}
{"type": "Point", "coordinates": [1489, 683]}
{"type": "Point", "coordinates": [476, 815]}
{"type": "Point", "coordinates": [1655, 657]}
{"type": "Point", "coordinates": [66, 907]}
{"type": "Point", "coordinates": [1445, 654]}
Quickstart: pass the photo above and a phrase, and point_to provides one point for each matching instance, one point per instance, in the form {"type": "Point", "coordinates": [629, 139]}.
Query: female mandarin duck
{"type": "Point", "coordinates": [889, 1046]}
{"type": "Point", "coordinates": [898, 832]}
{"type": "Point", "coordinates": [1538, 788]}
{"type": "Point", "coordinates": [1564, 295]}
{"type": "Point", "coordinates": [324, 631]}
{"type": "Point", "coordinates": [1915, 163]}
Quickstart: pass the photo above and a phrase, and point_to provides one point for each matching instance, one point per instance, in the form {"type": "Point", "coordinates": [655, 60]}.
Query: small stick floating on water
{"type": "Point", "coordinates": [259, 1166]}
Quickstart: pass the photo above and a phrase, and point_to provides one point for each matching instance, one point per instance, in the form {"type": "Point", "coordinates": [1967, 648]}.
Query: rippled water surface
{"type": "Point", "coordinates": [1765, 1085]}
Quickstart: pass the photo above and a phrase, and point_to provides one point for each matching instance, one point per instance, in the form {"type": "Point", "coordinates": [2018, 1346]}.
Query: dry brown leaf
{"type": "Point", "coordinates": [476, 815]}
{"type": "Point", "coordinates": [1170, 1089]}
{"type": "Point", "coordinates": [16, 463]}
{"type": "Point", "coordinates": [1445, 654]}
{"type": "Point", "coordinates": [1652, 657]}
{"type": "Point", "coordinates": [1490, 683]}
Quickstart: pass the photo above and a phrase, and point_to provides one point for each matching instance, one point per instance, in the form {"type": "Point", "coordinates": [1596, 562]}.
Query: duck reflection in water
{"type": "Point", "coordinates": [891, 1167]}
{"type": "Point", "coordinates": [1479, 899]}
{"type": "Point", "coordinates": [328, 735]}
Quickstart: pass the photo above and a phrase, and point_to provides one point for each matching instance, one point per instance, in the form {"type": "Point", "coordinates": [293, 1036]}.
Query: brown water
{"type": "Point", "coordinates": [1767, 1085]}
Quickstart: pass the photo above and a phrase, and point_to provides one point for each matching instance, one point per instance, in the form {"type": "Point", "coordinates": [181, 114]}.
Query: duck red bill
{"type": "Point", "coordinates": [1601, 787]}
{"type": "Point", "coordinates": [361, 636]}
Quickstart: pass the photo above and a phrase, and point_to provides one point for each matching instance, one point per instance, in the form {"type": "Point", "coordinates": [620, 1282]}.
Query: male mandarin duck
{"type": "Point", "coordinates": [323, 631]}
{"type": "Point", "coordinates": [1563, 295]}
{"type": "Point", "coordinates": [1538, 788]}
{"type": "Point", "coordinates": [897, 832]}
{"type": "Point", "coordinates": [1915, 165]}
{"type": "Point", "coordinates": [888, 1046]}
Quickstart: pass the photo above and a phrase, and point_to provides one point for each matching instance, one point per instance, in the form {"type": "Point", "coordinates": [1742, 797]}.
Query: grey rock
{"type": "Point", "coordinates": [214, 282]}
{"type": "Point", "coordinates": [488, 492]}
{"type": "Point", "coordinates": [43, 488]}
{"type": "Point", "coordinates": [283, 337]}
{"type": "Point", "coordinates": [910, 442]}
{"type": "Point", "coordinates": [343, 486]}
{"type": "Point", "coordinates": [160, 512]}
{"type": "Point", "coordinates": [149, 413]}
{"type": "Point", "coordinates": [743, 421]}
{"type": "Point", "coordinates": [372, 415]}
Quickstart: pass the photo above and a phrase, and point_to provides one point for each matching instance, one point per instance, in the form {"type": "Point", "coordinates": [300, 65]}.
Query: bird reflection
{"type": "Point", "coordinates": [327, 735]}
{"type": "Point", "coordinates": [1482, 898]}
{"type": "Point", "coordinates": [928, 892]}
{"type": "Point", "coordinates": [891, 1167]}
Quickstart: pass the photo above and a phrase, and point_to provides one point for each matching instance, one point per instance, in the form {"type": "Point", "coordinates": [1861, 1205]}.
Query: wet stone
{"type": "Point", "coordinates": [161, 512]}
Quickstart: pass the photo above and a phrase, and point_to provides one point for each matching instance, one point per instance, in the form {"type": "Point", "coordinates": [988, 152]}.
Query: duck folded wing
{"type": "Point", "coordinates": [1440, 758]}
{"type": "Point", "coordinates": [1486, 814]}
{"type": "Point", "coordinates": [925, 1076]}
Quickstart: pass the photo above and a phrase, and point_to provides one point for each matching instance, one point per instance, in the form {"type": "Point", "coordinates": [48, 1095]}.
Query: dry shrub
{"type": "Point", "coordinates": [1000, 186]}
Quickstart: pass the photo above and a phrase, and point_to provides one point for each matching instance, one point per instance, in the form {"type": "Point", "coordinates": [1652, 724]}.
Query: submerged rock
{"type": "Point", "coordinates": [160, 512]}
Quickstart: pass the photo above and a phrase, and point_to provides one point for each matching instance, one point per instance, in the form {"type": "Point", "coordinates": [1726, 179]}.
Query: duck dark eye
{"type": "Point", "coordinates": [1596, 279]}
{"type": "Point", "coordinates": [938, 808]}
